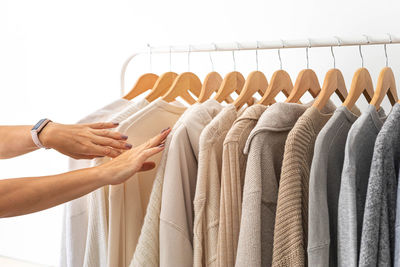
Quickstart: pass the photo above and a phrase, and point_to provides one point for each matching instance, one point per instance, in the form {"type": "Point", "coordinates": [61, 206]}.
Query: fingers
{"type": "Point", "coordinates": [152, 151]}
{"type": "Point", "coordinates": [158, 139]}
{"type": "Point", "coordinates": [110, 134]}
{"type": "Point", "coordinates": [103, 141]}
{"type": "Point", "coordinates": [102, 151]}
{"type": "Point", "coordinates": [103, 125]}
{"type": "Point", "coordinates": [149, 165]}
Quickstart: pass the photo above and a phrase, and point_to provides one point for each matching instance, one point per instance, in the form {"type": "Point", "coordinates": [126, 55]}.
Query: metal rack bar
{"type": "Point", "coordinates": [262, 45]}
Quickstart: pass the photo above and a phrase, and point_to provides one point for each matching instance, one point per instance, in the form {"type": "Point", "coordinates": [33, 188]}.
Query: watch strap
{"type": "Point", "coordinates": [36, 131]}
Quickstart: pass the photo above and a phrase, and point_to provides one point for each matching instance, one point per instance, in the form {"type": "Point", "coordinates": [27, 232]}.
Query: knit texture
{"type": "Point", "coordinates": [378, 231]}
{"type": "Point", "coordinates": [232, 181]}
{"type": "Point", "coordinates": [290, 235]}
{"type": "Point", "coordinates": [176, 215]}
{"type": "Point", "coordinates": [353, 189]}
{"type": "Point", "coordinates": [325, 176]}
{"type": "Point", "coordinates": [265, 148]}
{"type": "Point", "coordinates": [208, 187]}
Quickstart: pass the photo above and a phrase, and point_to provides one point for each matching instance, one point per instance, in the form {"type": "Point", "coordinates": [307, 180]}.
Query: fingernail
{"type": "Point", "coordinates": [162, 145]}
{"type": "Point", "coordinates": [166, 129]}
{"type": "Point", "coordinates": [116, 123]}
{"type": "Point", "coordinates": [124, 137]}
{"type": "Point", "coordinates": [129, 146]}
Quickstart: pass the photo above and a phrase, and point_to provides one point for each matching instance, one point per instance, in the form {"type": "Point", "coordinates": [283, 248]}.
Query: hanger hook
{"type": "Point", "coordinates": [211, 60]}
{"type": "Point", "coordinates": [233, 55]}
{"type": "Point", "coordinates": [189, 50]}
{"type": "Point", "coordinates": [279, 53]}
{"type": "Point", "coordinates": [150, 61]}
{"type": "Point", "coordinates": [333, 54]}
{"type": "Point", "coordinates": [309, 46]}
{"type": "Point", "coordinates": [257, 54]}
{"type": "Point", "coordinates": [170, 58]}
{"type": "Point", "coordinates": [384, 46]}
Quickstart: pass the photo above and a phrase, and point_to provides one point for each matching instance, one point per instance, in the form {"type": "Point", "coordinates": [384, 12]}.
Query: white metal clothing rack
{"type": "Point", "coordinates": [262, 45]}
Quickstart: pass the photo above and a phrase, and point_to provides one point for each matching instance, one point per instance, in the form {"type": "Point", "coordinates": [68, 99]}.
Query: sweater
{"type": "Point", "coordinates": [357, 162]}
{"type": "Point", "coordinates": [75, 219]}
{"type": "Point", "coordinates": [146, 252]}
{"type": "Point", "coordinates": [290, 234]}
{"type": "Point", "coordinates": [264, 147]}
{"type": "Point", "coordinates": [232, 181]}
{"type": "Point", "coordinates": [325, 176]}
{"type": "Point", "coordinates": [208, 187]}
{"type": "Point", "coordinates": [128, 201]}
{"type": "Point", "coordinates": [378, 230]}
{"type": "Point", "coordinates": [178, 190]}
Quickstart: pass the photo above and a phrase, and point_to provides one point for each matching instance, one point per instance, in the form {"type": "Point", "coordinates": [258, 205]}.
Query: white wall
{"type": "Point", "coordinates": [62, 59]}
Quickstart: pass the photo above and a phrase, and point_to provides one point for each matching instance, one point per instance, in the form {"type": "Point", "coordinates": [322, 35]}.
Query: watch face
{"type": "Point", "coordinates": [38, 124]}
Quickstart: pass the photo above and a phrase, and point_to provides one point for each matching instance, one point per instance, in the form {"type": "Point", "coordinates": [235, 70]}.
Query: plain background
{"type": "Point", "coordinates": [62, 60]}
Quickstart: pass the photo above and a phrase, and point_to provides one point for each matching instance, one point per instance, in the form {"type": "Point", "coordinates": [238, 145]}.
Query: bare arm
{"type": "Point", "coordinates": [26, 195]}
{"type": "Point", "coordinates": [79, 141]}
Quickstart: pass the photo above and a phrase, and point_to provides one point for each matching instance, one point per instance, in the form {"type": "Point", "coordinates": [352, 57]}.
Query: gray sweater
{"type": "Point", "coordinates": [378, 230]}
{"type": "Point", "coordinates": [324, 187]}
{"type": "Point", "coordinates": [353, 189]}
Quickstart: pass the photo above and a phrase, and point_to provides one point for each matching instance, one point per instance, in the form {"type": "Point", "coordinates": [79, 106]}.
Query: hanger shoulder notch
{"type": "Point", "coordinates": [386, 86]}
{"type": "Point", "coordinates": [307, 80]}
{"type": "Point", "coordinates": [360, 84]}
{"type": "Point", "coordinates": [333, 83]}
{"type": "Point", "coordinates": [255, 82]}
{"type": "Point", "coordinates": [211, 84]}
{"type": "Point", "coordinates": [184, 83]}
{"type": "Point", "coordinates": [233, 81]}
{"type": "Point", "coordinates": [144, 83]}
{"type": "Point", "coordinates": [163, 83]}
{"type": "Point", "coordinates": [280, 82]}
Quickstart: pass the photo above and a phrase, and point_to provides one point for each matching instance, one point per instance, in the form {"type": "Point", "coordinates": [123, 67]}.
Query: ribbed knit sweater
{"type": "Point", "coordinates": [264, 147]}
{"type": "Point", "coordinates": [232, 181]}
{"type": "Point", "coordinates": [208, 188]}
{"type": "Point", "coordinates": [290, 233]}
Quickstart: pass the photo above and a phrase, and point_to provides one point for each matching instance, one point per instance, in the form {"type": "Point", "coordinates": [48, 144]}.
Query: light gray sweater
{"type": "Point", "coordinates": [324, 187]}
{"type": "Point", "coordinates": [378, 231]}
{"type": "Point", "coordinates": [353, 189]}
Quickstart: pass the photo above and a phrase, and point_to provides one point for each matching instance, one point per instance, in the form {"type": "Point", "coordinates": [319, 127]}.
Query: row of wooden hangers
{"type": "Point", "coordinates": [170, 85]}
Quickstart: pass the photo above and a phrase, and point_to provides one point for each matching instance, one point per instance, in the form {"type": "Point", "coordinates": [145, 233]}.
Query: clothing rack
{"type": "Point", "coordinates": [263, 45]}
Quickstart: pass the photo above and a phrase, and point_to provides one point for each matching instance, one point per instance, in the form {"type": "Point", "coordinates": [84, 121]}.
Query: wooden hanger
{"type": "Point", "coordinates": [280, 82]}
{"type": "Point", "coordinates": [162, 85]}
{"type": "Point", "coordinates": [361, 84]}
{"type": "Point", "coordinates": [386, 85]}
{"type": "Point", "coordinates": [185, 82]}
{"type": "Point", "coordinates": [144, 83]}
{"type": "Point", "coordinates": [255, 82]}
{"type": "Point", "coordinates": [307, 80]}
{"type": "Point", "coordinates": [211, 84]}
{"type": "Point", "coordinates": [333, 82]}
{"type": "Point", "coordinates": [232, 82]}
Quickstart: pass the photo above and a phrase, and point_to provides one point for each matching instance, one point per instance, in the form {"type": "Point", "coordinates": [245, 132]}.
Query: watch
{"type": "Point", "coordinates": [35, 131]}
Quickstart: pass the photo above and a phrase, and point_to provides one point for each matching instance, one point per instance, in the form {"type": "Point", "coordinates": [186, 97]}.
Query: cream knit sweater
{"type": "Point", "coordinates": [232, 181]}
{"type": "Point", "coordinates": [206, 200]}
{"type": "Point", "coordinates": [290, 233]}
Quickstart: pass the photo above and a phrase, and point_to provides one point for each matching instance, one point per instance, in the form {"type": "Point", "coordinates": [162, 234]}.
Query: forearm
{"type": "Point", "coordinates": [15, 141]}
{"type": "Point", "coordinates": [26, 195]}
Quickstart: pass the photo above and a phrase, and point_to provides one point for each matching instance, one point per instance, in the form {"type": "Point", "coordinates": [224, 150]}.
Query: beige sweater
{"type": "Point", "coordinates": [206, 200]}
{"type": "Point", "coordinates": [265, 148]}
{"type": "Point", "coordinates": [232, 180]}
{"type": "Point", "coordinates": [290, 234]}
{"type": "Point", "coordinates": [176, 215]}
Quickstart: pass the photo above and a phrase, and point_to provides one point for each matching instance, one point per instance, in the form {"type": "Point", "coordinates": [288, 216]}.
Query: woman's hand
{"type": "Point", "coordinates": [84, 141]}
{"type": "Point", "coordinates": [124, 166]}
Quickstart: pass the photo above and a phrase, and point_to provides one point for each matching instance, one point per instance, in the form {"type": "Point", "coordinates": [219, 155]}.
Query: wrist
{"type": "Point", "coordinates": [45, 136]}
{"type": "Point", "coordinates": [102, 174]}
